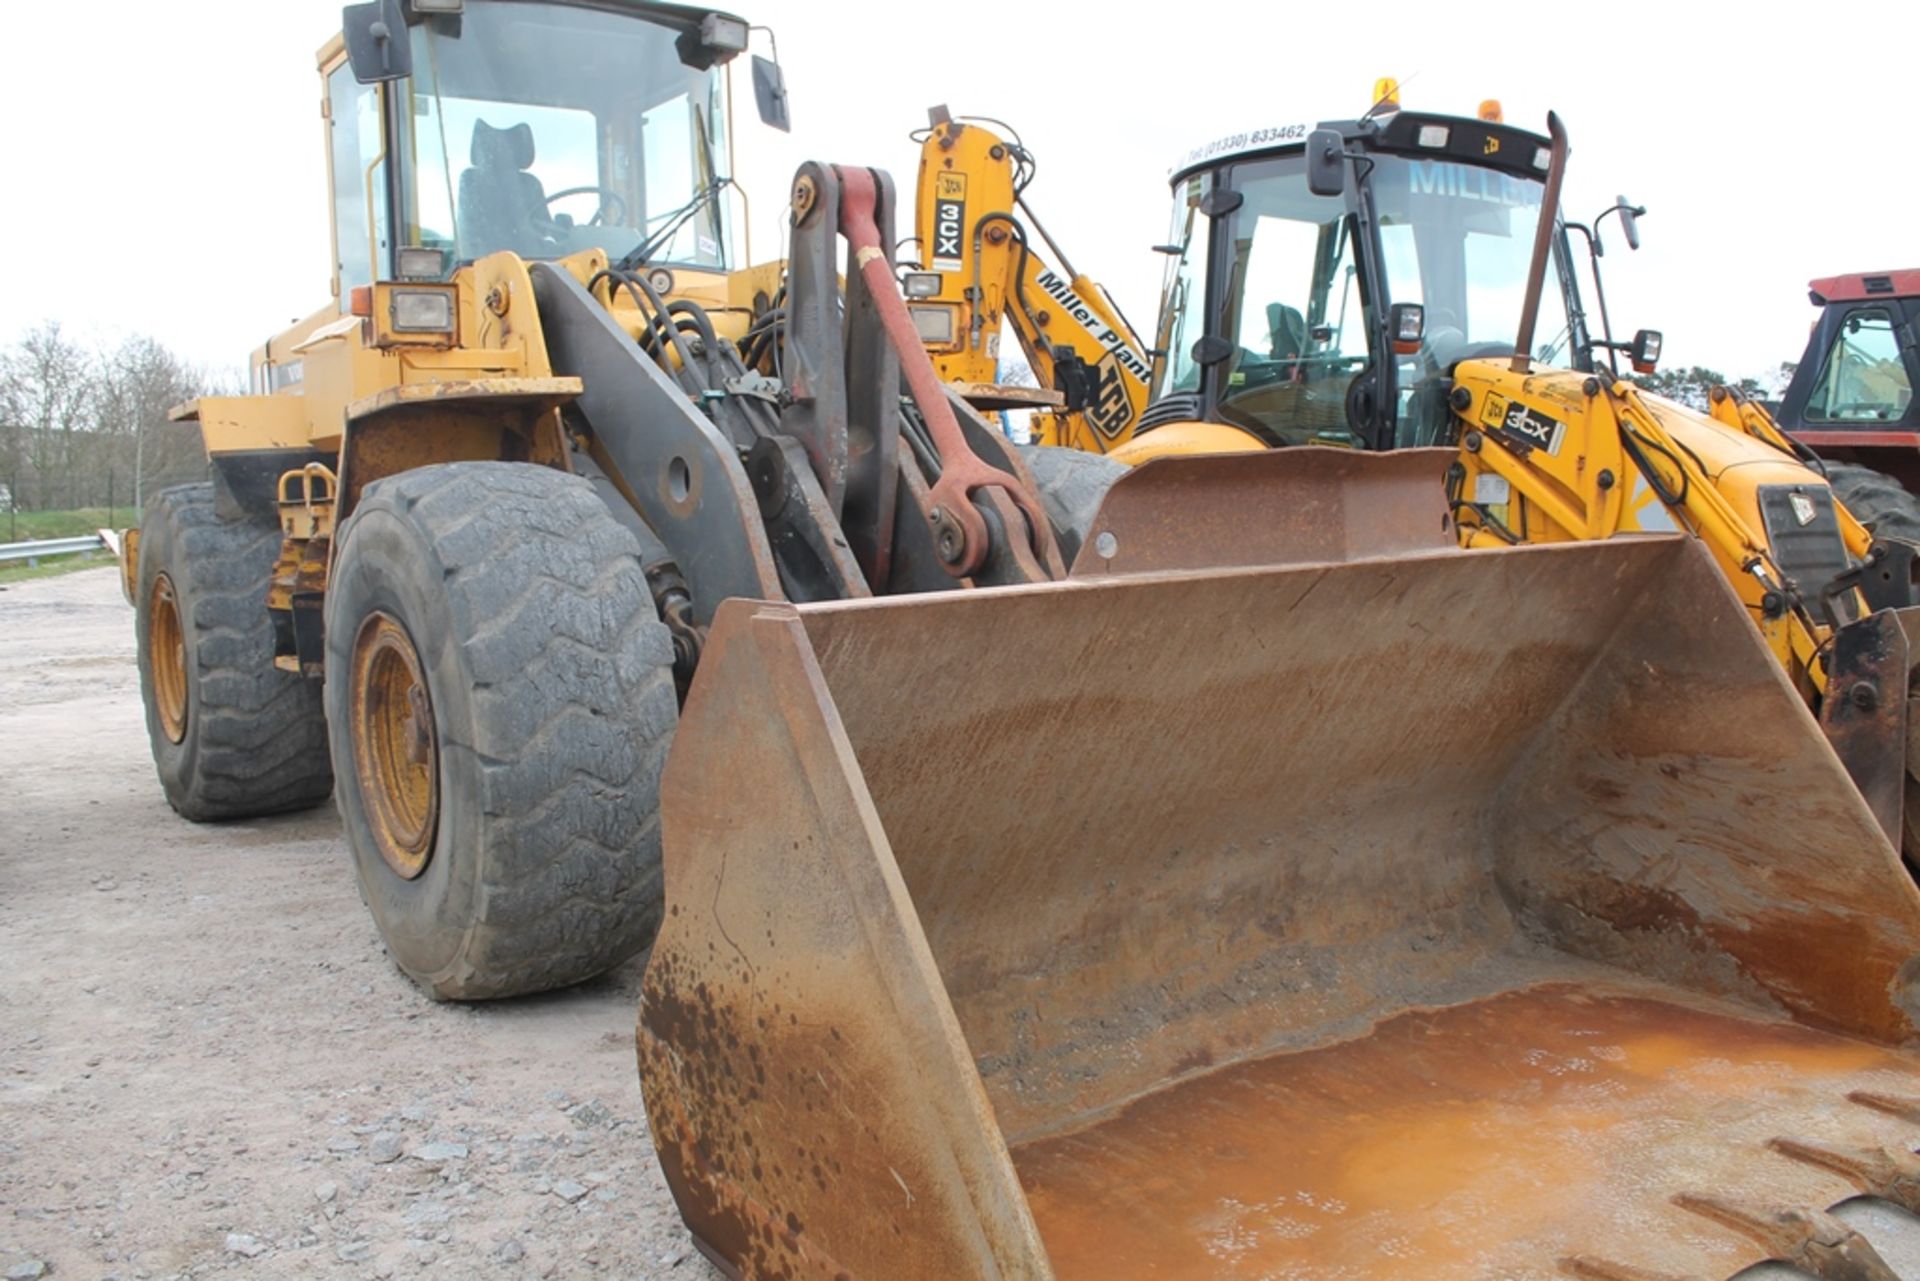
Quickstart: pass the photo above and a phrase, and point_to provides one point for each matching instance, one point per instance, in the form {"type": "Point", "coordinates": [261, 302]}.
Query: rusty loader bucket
{"type": "Point", "coordinates": [1494, 914]}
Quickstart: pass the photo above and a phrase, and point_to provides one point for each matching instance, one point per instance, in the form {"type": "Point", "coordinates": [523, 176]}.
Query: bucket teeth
{"type": "Point", "coordinates": [1904, 1106]}
{"type": "Point", "coordinates": [1879, 1172]}
{"type": "Point", "coordinates": [1811, 1240]}
{"type": "Point", "coordinates": [1587, 1268]}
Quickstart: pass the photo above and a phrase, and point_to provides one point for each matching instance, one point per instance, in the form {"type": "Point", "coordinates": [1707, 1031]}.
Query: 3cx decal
{"type": "Point", "coordinates": [949, 220]}
{"type": "Point", "coordinates": [1533, 429]}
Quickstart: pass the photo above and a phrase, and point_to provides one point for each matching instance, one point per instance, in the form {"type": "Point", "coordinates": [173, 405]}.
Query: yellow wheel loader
{"type": "Point", "coordinates": [1362, 285]}
{"type": "Point", "coordinates": [473, 520]}
{"type": "Point", "coordinates": [1328, 900]}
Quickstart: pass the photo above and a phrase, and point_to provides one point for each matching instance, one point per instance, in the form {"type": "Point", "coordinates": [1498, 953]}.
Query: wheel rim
{"type": "Point", "coordinates": [167, 646]}
{"type": "Point", "coordinates": [395, 749]}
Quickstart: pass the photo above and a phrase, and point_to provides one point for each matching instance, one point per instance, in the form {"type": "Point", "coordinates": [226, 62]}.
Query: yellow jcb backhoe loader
{"type": "Point", "coordinates": [1318, 905]}
{"type": "Point", "coordinates": [1361, 285]}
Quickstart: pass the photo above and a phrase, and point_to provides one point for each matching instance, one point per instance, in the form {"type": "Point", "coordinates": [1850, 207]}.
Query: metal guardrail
{"type": "Point", "coordinates": [50, 547]}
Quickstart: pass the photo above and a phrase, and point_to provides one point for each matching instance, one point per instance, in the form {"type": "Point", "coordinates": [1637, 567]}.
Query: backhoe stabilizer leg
{"type": "Point", "coordinates": [1865, 713]}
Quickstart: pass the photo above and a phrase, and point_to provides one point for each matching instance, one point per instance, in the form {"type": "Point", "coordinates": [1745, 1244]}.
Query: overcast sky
{"type": "Point", "coordinates": [166, 175]}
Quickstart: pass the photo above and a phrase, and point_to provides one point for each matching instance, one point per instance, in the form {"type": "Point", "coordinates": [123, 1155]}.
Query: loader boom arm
{"type": "Point", "coordinates": [994, 263]}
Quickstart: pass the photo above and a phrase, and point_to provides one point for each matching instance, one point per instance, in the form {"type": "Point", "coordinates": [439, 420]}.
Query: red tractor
{"type": "Point", "coordinates": [1851, 399]}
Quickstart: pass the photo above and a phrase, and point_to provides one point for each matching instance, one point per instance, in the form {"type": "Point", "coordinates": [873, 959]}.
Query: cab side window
{"type": "Point", "coordinates": [360, 246]}
{"type": "Point", "coordinates": [1864, 379]}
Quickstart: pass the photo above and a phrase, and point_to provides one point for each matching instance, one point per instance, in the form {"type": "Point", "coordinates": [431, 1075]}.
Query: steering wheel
{"type": "Point", "coordinates": [603, 215]}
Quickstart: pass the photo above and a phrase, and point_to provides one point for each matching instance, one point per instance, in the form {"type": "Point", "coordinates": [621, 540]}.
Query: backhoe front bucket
{"type": "Point", "coordinates": [1490, 914]}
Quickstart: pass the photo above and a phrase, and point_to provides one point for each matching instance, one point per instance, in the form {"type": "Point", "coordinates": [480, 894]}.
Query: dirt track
{"type": "Point", "coordinates": [208, 1066]}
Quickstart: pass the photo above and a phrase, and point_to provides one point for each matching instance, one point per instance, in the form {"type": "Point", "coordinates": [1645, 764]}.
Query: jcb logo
{"type": "Point", "coordinates": [950, 186]}
{"type": "Point", "coordinates": [1491, 147]}
{"type": "Point", "coordinates": [1111, 412]}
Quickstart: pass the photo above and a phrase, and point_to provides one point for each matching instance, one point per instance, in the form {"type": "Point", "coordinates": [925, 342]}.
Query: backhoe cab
{"type": "Point", "coordinates": [1323, 282]}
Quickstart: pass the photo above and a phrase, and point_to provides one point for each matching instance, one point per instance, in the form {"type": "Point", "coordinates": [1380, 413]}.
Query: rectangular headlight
{"type": "Point", "coordinates": [933, 324]}
{"type": "Point", "coordinates": [438, 6]}
{"type": "Point", "coordinates": [921, 284]}
{"type": "Point", "coordinates": [723, 34]}
{"type": "Point", "coordinates": [421, 311]}
{"type": "Point", "coordinates": [1434, 135]}
{"type": "Point", "coordinates": [416, 263]}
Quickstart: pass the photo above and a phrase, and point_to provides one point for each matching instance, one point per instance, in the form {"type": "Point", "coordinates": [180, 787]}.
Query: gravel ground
{"type": "Point", "coordinates": [209, 1067]}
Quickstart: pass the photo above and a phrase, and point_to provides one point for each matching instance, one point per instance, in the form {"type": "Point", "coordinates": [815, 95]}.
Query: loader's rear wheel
{"type": "Point", "coordinates": [233, 736]}
{"type": "Point", "coordinates": [1072, 483]}
{"type": "Point", "coordinates": [1876, 500]}
{"type": "Point", "coordinates": [502, 696]}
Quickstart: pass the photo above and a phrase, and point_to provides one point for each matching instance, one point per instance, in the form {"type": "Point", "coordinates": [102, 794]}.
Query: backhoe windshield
{"type": "Point", "coordinates": [1458, 240]}
{"type": "Point", "coordinates": [547, 129]}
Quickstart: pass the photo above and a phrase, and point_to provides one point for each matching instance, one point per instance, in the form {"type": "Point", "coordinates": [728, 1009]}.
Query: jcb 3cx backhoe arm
{"type": "Point", "coordinates": [977, 238]}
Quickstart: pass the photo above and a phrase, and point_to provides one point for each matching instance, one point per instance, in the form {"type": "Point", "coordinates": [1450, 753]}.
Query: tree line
{"type": "Point", "coordinates": [85, 424]}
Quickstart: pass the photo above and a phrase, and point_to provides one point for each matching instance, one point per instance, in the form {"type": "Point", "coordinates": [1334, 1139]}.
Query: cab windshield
{"type": "Point", "coordinates": [549, 129]}
{"type": "Point", "coordinates": [1458, 240]}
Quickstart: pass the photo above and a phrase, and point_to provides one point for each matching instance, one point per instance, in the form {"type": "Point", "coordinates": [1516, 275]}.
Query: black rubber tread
{"type": "Point", "coordinates": [1072, 483]}
{"type": "Point", "coordinates": [1877, 501]}
{"type": "Point", "coordinates": [256, 736]}
{"type": "Point", "coordinates": [551, 681]}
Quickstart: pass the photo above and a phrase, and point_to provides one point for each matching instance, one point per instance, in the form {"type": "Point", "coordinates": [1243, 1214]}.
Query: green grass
{"type": "Point", "coordinates": [52, 566]}
{"type": "Point", "coordinates": [20, 527]}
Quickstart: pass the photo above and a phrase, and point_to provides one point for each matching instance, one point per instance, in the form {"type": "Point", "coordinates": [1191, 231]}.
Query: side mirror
{"type": "Point", "coordinates": [1407, 325]}
{"type": "Point", "coordinates": [1326, 163]}
{"type": "Point", "coordinates": [1630, 221]}
{"type": "Point", "coordinates": [1646, 351]}
{"type": "Point", "coordinates": [770, 94]}
{"type": "Point", "coordinates": [377, 44]}
{"type": "Point", "coordinates": [1211, 350]}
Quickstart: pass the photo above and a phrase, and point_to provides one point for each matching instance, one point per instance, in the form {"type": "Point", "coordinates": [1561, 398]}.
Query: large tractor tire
{"type": "Point", "coordinates": [1072, 483]}
{"type": "Point", "coordinates": [233, 736]}
{"type": "Point", "coordinates": [501, 696]}
{"type": "Point", "coordinates": [1877, 501]}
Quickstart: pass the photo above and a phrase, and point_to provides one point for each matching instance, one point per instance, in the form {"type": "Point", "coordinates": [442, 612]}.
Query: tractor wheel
{"type": "Point", "coordinates": [501, 696]}
{"type": "Point", "coordinates": [1877, 501]}
{"type": "Point", "coordinates": [233, 736]}
{"type": "Point", "coordinates": [1072, 482]}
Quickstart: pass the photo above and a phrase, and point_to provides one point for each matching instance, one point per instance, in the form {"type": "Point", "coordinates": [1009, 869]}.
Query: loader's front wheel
{"type": "Point", "coordinates": [502, 697]}
{"type": "Point", "coordinates": [233, 736]}
{"type": "Point", "coordinates": [1876, 500]}
{"type": "Point", "coordinates": [1072, 484]}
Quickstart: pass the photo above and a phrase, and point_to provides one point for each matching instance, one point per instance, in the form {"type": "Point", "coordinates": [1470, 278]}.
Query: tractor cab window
{"type": "Point", "coordinates": [1293, 310]}
{"type": "Point", "coordinates": [1864, 379]}
{"type": "Point", "coordinates": [1458, 239]}
{"type": "Point", "coordinates": [551, 129]}
{"type": "Point", "coordinates": [356, 159]}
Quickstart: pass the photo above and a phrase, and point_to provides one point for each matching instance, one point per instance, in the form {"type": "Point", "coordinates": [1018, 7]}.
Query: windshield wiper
{"type": "Point", "coordinates": [660, 239]}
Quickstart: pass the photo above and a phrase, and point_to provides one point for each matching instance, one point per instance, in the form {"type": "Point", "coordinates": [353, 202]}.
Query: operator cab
{"type": "Point", "coordinates": [1278, 299]}
{"type": "Point", "coordinates": [460, 128]}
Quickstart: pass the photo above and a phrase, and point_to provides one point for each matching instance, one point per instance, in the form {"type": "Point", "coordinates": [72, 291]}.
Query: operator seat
{"type": "Point", "coordinates": [502, 206]}
{"type": "Point", "coordinates": [1286, 339]}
